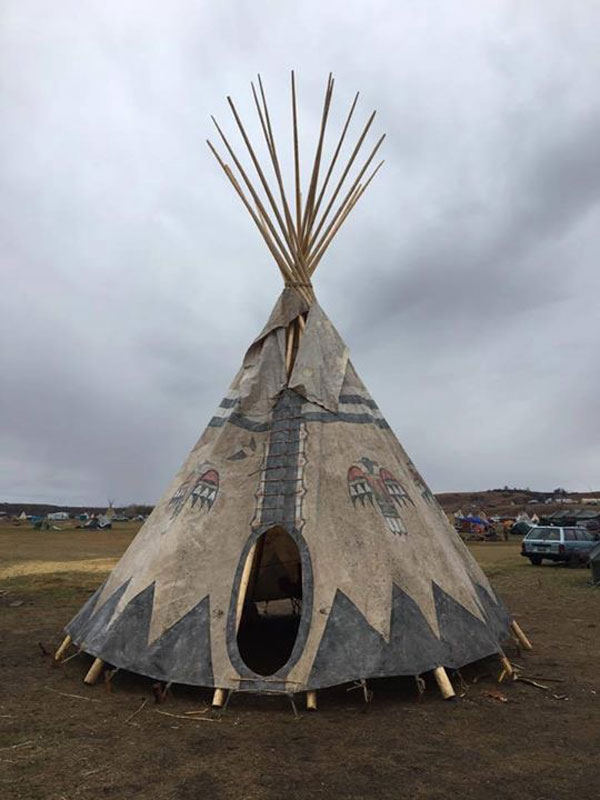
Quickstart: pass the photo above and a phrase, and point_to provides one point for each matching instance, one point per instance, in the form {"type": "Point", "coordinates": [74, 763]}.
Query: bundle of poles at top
{"type": "Point", "coordinates": [298, 237]}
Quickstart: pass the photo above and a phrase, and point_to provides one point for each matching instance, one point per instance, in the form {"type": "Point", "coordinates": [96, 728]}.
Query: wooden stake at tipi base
{"type": "Point", "coordinates": [219, 697]}
{"type": "Point", "coordinates": [297, 491]}
{"type": "Point", "coordinates": [444, 684]}
{"type": "Point", "coordinates": [520, 636]}
{"type": "Point", "coordinates": [94, 671]}
{"type": "Point", "coordinates": [66, 642]}
{"type": "Point", "coordinates": [507, 667]}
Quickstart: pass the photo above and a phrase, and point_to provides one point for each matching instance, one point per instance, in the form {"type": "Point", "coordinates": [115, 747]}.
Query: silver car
{"type": "Point", "coordinates": [572, 545]}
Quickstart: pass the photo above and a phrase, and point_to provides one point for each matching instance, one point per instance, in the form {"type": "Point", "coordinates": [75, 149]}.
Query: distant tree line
{"type": "Point", "coordinates": [528, 490]}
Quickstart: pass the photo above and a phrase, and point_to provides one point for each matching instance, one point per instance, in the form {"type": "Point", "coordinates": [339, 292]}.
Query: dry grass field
{"type": "Point", "coordinates": [62, 740]}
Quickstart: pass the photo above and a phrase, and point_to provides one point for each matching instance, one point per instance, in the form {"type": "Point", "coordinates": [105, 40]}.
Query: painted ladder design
{"type": "Point", "coordinates": [281, 487]}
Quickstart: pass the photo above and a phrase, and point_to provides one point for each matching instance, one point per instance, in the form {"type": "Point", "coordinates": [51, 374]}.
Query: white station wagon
{"type": "Point", "coordinates": [572, 544]}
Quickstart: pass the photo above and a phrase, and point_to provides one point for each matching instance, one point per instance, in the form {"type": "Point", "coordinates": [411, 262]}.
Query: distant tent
{"type": "Point", "coordinates": [22, 516]}
{"type": "Point", "coordinates": [520, 528]}
{"type": "Point", "coordinates": [99, 522]}
{"type": "Point", "coordinates": [110, 512]}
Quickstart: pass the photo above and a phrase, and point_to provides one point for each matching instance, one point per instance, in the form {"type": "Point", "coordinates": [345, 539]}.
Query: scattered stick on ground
{"type": "Point", "coordinates": [182, 716]}
{"type": "Point", "coordinates": [15, 746]}
{"type": "Point", "coordinates": [93, 771]}
{"type": "Point", "coordinates": [137, 711]}
{"type": "Point", "coordinates": [76, 696]}
{"type": "Point", "coordinates": [533, 683]}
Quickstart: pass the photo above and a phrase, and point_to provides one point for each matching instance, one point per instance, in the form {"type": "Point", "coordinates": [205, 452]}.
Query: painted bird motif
{"type": "Point", "coordinates": [203, 491]}
{"type": "Point", "coordinates": [206, 489]}
{"type": "Point", "coordinates": [370, 483]}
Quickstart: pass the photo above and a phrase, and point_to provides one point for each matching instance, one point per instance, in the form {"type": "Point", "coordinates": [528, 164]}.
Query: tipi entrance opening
{"type": "Point", "coordinates": [272, 607]}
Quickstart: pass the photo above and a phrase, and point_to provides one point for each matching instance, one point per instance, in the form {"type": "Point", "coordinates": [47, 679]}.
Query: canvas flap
{"type": "Point", "coordinates": [320, 365]}
{"type": "Point", "coordinates": [263, 374]}
{"type": "Point", "coordinates": [289, 305]}
{"type": "Point", "coordinates": [321, 361]}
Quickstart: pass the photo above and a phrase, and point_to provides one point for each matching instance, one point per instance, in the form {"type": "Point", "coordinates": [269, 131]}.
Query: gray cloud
{"type": "Point", "coordinates": [132, 281]}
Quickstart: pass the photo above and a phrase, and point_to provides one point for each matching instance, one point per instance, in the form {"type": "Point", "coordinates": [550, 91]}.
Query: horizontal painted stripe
{"type": "Point", "coordinates": [357, 399]}
{"type": "Point", "coordinates": [358, 419]}
{"type": "Point", "coordinates": [240, 421]}
{"type": "Point", "coordinates": [228, 402]}
{"type": "Point", "coordinates": [344, 399]}
{"type": "Point", "coordinates": [353, 408]}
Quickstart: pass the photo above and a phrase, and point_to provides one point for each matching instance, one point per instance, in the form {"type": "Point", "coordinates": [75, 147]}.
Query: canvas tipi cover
{"type": "Point", "coordinates": [297, 489]}
{"type": "Point", "coordinates": [388, 587]}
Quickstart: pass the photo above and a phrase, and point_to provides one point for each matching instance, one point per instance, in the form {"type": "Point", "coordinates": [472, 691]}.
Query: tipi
{"type": "Point", "coordinates": [298, 547]}
{"type": "Point", "coordinates": [109, 514]}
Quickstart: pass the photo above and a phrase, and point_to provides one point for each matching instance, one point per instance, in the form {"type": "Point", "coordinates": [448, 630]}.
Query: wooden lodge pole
{"type": "Point", "coordinates": [297, 241]}
{"type": "Point", "coordinates": [507, 667]}
{"type": "Point", "coordinates": [289, 348]}
{"type": "Point", "coordinates": [63, 648]}
{"type": "Point", "coordinates": [443, 681]}
{"type": "Point", "coordinates": [94, 672]}
{"type": "Point", "coordinates": [523, 640]}
{"type": "Point", "coordinates": [244, 581]}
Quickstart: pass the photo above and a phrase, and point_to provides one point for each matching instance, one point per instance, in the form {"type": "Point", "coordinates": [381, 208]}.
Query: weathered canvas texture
{"type": "Point", "coordinates": [388, 586]}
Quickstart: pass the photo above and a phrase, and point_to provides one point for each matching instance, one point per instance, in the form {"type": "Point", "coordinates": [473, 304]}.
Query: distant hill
{"type": "Point", "coordinates": [509, 502]}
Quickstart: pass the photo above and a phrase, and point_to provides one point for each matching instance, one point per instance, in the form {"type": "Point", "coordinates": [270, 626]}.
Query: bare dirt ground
{"type": "Point", "coordinates": [62, 740]}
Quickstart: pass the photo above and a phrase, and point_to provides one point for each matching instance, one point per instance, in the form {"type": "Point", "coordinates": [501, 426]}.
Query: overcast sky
{"type": "Point", "coordinates": [466, 283]}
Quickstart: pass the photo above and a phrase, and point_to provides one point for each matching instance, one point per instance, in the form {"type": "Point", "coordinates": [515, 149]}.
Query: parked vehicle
{"type": "Point", "coordinates": [572, 545]}
{"type": "Point", "coordinates": [520, 528]}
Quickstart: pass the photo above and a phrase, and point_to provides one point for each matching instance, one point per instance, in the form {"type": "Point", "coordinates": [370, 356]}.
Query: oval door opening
{"type": "Point", "coordinates": [270, 602]}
